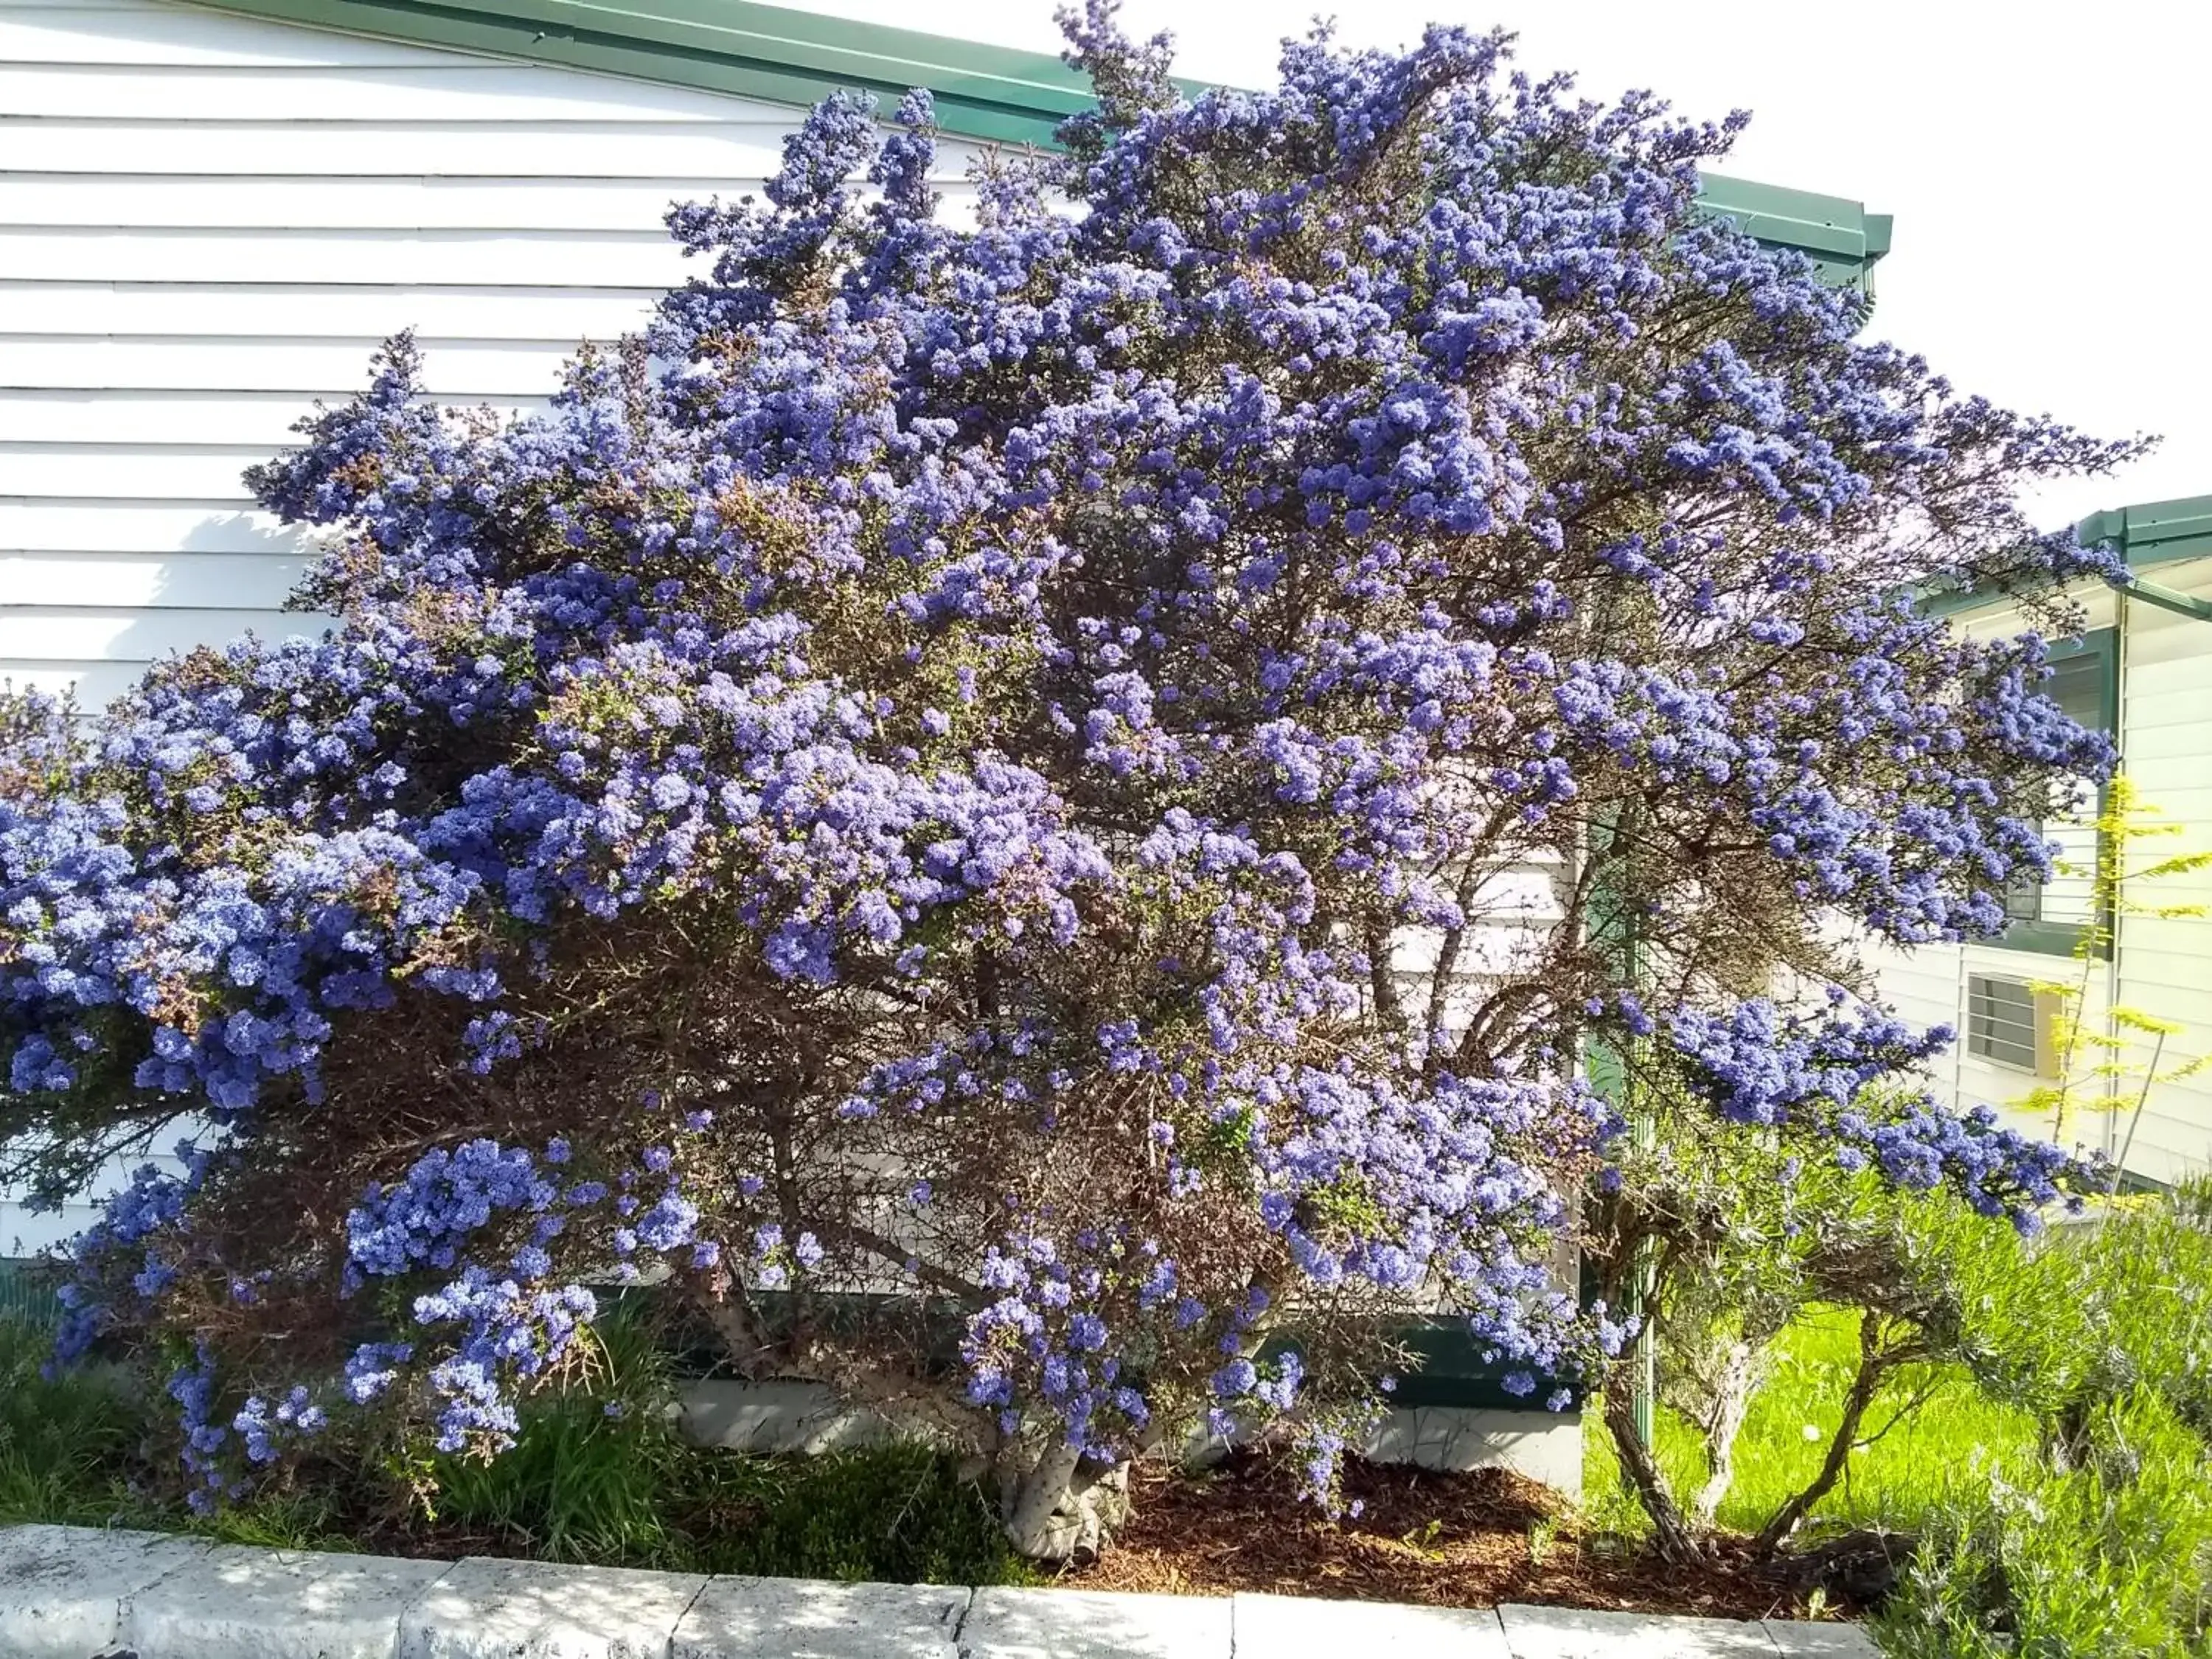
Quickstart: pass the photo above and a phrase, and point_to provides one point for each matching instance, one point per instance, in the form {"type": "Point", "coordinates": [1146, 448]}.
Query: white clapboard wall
{"type": "Point", "coordinates": [2162, 966]}
{"type": "Point", "coordinates": [207, 222]}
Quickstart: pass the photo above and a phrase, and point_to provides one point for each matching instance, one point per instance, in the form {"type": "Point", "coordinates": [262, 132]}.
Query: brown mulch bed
{"type": "Point", "coordinates": [1471, 1539]}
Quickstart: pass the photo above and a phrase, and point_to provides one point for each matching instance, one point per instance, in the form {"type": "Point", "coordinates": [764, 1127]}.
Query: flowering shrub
{"type": "Point", "coordinates": [1005, 764]}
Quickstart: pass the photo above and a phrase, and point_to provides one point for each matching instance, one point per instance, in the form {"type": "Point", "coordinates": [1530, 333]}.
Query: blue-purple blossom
{"type": "Point", "coordinates": [1054, 720]}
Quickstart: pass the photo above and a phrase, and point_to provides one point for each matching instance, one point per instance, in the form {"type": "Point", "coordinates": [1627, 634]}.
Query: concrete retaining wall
{"type": "Point", "coordinates": [784, 1418]}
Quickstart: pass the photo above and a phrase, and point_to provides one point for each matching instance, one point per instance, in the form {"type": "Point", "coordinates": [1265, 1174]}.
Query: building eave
{"type": "Point", "coordinates": [784, 55]}
{"type": "Point", "coordinates": [2149, 534]}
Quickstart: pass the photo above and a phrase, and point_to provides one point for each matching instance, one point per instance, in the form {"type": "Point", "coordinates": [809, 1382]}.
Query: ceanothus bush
{"type": "Point", "coordinates": [1086, 769]}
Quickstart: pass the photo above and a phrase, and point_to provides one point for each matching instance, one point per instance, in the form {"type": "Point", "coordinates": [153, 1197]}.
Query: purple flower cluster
{"type": "Point", "coordinates": [206, 1439]}
{"type": "Point", "coordinates": [128, 1257]}
{"type": "Point", "coordinates": [487, 1328]}
{"type": "Point", "coordinates": [1059, 720]}
{"type": "Point", "coordinates": [1848, 1071]}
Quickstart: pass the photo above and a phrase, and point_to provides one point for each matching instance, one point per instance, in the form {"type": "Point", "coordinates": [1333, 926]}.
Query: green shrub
{"type": "Point", "coordinates": [900, 1512]}
{"type": "Point", "coordinates": [2054, 1463]}
{"type": "Point", "coordinates": [592, 1474]}
{"type": "Point", "coordinates": [66, 1447]}
{"type": "Point", "coordinates": [2102, 1544]}
{"type": "Point", "coordinates": [2128, 1306]}
{"type": "Point", "coordinates": [583, 1483]}
{"type": "Point", "coordinates": [1910, 1468]}
{"type": "Point", "coordinates": [2110, 1557]}
{"type": "Point", "coordinates": [600, 1473]}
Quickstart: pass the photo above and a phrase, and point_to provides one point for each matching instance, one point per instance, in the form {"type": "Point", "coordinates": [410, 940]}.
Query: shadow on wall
{"type": "Point", "coordinates": [95, 614]}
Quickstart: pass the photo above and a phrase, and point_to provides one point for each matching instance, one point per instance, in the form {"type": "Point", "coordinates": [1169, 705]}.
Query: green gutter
{"type": "Point", "coordinates": [2167, 598]}
{"type": "Point", "coordinates": [997, 93]}
{"type": "Point", "coordinates": [2152, 534]}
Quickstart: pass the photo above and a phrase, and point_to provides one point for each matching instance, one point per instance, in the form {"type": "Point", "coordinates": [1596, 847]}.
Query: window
{"type": "Point", "coordinates": [2084, 682]}
{"type": "Point", "coordinates": [2001, 1021]}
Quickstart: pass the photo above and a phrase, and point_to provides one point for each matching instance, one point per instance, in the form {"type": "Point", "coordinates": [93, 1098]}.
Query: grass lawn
{"type": "Point", "coordinates": [1941, 1453]}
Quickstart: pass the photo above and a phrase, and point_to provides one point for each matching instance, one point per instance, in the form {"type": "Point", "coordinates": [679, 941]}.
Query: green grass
{"type": "Point", "coordinates": [2104, 1552]}
{"type": "Point", "coordinates": [1944, 1450]}
{"type": "Point", "coordinates": [64, 1445]}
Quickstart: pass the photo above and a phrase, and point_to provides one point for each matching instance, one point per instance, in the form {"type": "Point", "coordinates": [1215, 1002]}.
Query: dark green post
{"type": "Point", "coordinates": [1611, 1070]}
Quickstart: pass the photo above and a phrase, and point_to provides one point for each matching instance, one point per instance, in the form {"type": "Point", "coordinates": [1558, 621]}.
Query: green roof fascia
{"type": "Point", "coordinates": [778, 53]}
{"type": "Point", "coordinates": [2152, 534]}
{"type": "Point", "coordinates": [1000, 93]}
{"type": "Point", "coordinates": [1839, 235]}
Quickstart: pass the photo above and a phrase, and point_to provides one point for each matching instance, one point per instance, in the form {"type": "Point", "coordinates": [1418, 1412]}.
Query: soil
{"type": "Point", "coordinates": [1447, 1540]}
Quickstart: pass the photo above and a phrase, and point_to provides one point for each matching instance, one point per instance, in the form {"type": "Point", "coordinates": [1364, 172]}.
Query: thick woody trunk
{"type": "Point", "coordinates": [1732, 1392]}
{"type": "Point", "coordinates": [1057, 1509]}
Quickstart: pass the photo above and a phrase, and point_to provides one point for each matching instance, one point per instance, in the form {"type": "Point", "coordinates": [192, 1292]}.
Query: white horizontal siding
{"type": "Point", "coordinates": [93, 683]}
{"type": "Point", "coordinates": [440, 87]}
{"type": "Point", "coordinates": [209, 582]}
{"type": "Point", "coordinates": [124, 471]}
{"type": "Point", "coordinates": [642, 258]}
{"type": "Point", "coordinates": [147, 35]}
{"type": "Point", "coordinates": [276, 203]}
{"type": "Point", "coordinates": [238, 144]}
{"type": "Point", "coordinates": [256, 423]}
{"type": "Point", "coordinates": [25, 1232]}
{"type": "Point", "coordinates": [2163, 965]}
{"type": "Point", "coordinates": [173, 309]}
{"type": "Point", "coordinates": [37, 525]}
{"type": "Point", "coordinates": [127, 635]}
{"type": "Point", "coordinates": [208, 223]}
{"type": "Point", "coordinates": [1923, 986]}
{"type": "Point", "coordinates": [264, 363]}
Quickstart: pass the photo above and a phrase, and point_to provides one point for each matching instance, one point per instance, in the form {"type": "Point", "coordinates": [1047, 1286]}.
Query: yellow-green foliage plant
{"type": "Point", "coordinates": [2095, 1072]}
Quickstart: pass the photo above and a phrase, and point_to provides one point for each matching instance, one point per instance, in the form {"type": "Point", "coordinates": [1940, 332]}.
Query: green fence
{"type": "Point", "coordinates": [26, 1295]}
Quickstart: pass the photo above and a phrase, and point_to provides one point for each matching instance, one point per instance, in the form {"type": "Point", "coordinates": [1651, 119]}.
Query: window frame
{"type": "Point", "coordinates": [2064, 938]}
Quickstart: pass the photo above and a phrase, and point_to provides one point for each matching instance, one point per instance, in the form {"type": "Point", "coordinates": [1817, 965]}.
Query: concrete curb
{"type": "Point", "coordinates": [84, 1592]}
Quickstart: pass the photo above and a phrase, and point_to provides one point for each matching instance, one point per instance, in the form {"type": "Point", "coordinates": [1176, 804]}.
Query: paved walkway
{"type": "Point", "coordinates": [80, 1593]}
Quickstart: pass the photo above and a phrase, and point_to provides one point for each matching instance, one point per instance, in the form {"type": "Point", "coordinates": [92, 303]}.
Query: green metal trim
{"type": "Point", "coordinates": [777, 53]}
{"type": "Point", "coordinates": [1938, 601]}
{"type": "Point", "coordinates": [1450, 1371]}
{"type": "Point", "coordinates": [1837, 233]}
{"type": "Point", "coordinates": [26, 1293]}
{"type": "Point", "coordinates": [2045, 938]}
{"type": "Point", "coordinates": [2150, 533]}
{"type": "Point", "coordinates": [787, 56]}
{"type": "Point", "coordinates": [2154, 532]}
